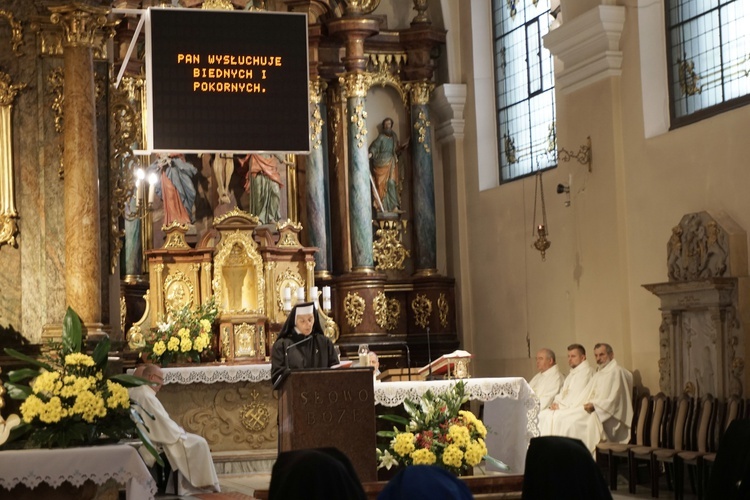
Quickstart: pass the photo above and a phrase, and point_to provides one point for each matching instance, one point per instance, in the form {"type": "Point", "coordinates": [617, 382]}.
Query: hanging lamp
{"type": "Point", "coordinates": [539, 230]}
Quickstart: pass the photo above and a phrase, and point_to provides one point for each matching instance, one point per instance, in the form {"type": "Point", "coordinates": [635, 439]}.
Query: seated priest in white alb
{"type": "Point", "coordinates": [607, 412]}
{"type": "Point", "coordinates": [187, 453]}
{"type": "Point", "coordinates": [573, 390]}
{"type": "Point", "coordinates": [547, 383]}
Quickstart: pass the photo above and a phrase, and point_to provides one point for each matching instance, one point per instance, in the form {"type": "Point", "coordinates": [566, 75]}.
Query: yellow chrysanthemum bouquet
{"type": "Point", "coordinates": [436, 432]}
{"type": "Point", "coordinates": [186, 336]}
{"type": "Point", "coordinates": [70, 400]}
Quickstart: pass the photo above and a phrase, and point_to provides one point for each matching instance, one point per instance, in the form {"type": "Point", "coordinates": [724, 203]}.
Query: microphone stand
{"type": "Point", "coordinates": [286, 352]}
{"type": "Point", "coordinates": [429, 355]}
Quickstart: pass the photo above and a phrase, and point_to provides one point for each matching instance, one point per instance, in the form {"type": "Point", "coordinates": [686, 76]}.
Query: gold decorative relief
{"type": "Point", "coordinates": [123, 312]}
{"type": "Point", "coordinates": [225, 344]}
{"type": "Point", "coordinates": [8, 213]}
{"type": "Point", "coordinates": [388, 249]}
{"type": "Point", "coordinates": [386, 69]}
{"type": "Point", "coordinates": [289, 278]}
{"type": "Point", "coordinates": [237, 212]}
{"type": "Point", "coordinates": [356, 7]}
{"type": "Point", "coordinates": [178, 292]}
{"type": "Point", "coordinates": [289, 233]}
{"type": "Point", "coordinates": [354, 309]}
{"type": "Point", "coordinates": [359, 119]}
{"type": "Point", "coordinates": [387, 311]}
{"type": "Point", "coordinates": [16, 31]}
{"type": "Point", "coordinates": [317, 88]}
{"type": "Point", "coordinates": [442, 304]}
{"type": "Point", "coordinates": [421, 306]}
{"type": "Point", "coordinates": [175, 235]}
{"type": "Point", "coordinates": [255, 416]}
{"type": "Point", "coordinates": [217, 5]}
{"type": "Point", "coordinates": [239, 283]}
{"type": "Point", "coordinates": [421, 126]}
{"type": "Point", "coordinates": [244, 340]}
{"type": "Point", "coordinates": [56, 82]}
{"type": "Point", "coordinates": [136, 341]}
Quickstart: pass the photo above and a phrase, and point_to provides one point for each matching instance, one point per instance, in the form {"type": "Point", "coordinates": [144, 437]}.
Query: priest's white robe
{"type": "Point", "coordinates": [572, 394]}
{"type": "Point", "coordinates": [610, 392]}
{"type": "Point", "coordinates": [187, 453]}
{"type": "Point", "coordinates": [546, 385]}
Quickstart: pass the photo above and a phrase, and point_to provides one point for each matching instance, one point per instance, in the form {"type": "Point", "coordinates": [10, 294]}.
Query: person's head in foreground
{"type": "Point", "coordinates": [317, 474]}
{"type": "Point", "coordinates": [425, 482]}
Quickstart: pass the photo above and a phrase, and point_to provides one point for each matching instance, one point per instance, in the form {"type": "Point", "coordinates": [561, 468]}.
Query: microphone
{"type": "Point", "coordinates": [296, 344]}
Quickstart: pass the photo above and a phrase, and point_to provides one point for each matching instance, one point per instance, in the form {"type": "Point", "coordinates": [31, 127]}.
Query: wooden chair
{"type": "Point", "coordinates": [733, 409]}
{"type": "Point", "coordinates": [700, 437]}
{"type": "Point", "coordinates": [660, 410]}
{"type": "Point", "coordinates": [678, 432]}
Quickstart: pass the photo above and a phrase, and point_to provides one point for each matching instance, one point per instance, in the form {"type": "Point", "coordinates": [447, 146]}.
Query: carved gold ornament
{"type": "Point", "coordinates": [217, 5]}
{"type": "Point", "coordinates": [135, 338]}
{"type": "Point", "coordinates": [225, 344]}
{"type": "Point", "coordinates": [355, 7]}
{"type": "Point", "coordinates": [421, 126]}
{"type": "Point", "coordinates": [244, 340]}
{"type": "Point", "coordinates": [8, 213]}
{"type": "Point", "coordinates": [442, 304]}
{"type": "Point", "coordinates": [289, 278]}
{"type": "Point", "coordinates": [386, 70]}
{"type": "Point", "coordinates": [420, 92]}
{"type": "Point", "coordinates": [175, 233]}
{"type": "Point", "coordinates": [388, 249]}
{"type": "Point", "coordinates": [254, 416]}
{"type": "Point", "coordinates": [237, 212]}
{"type": "Point", "coordinates": [421, 306]}
{"type": "Point", "coordinates": [16, 31]}
{"type": "Point", "coordinates": [178, 292]}
{"type": "Point", "coordinates": [317, 88]}
{"type": "Point", "coordinates": [387, 311]}
{"type": "Point", "coordinates": [123, 313]}
{"type": "Point", "coordinates": [359, 119]}
{"type": "Point", "coordinates": [354, 309]}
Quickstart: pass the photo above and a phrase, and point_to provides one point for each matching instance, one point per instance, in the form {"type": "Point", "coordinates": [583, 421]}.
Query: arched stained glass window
{"type": "Point", "coordinates": [525, 87]}
{"type": "Point", "coordinates": [709, 57]}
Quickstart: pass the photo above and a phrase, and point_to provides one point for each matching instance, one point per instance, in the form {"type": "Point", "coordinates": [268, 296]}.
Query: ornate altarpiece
{"type": "Point", "coordinates": [244, 265]}
{"type": "Point", "coordinates": [702, 337]}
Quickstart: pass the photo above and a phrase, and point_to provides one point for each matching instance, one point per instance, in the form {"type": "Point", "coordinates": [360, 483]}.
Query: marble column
{"type": "Point", "coordinates": [83, 275]}
{"type": "Point", "coordinates": [360, 198]}
{"type": "Point", "coordinates": [424, 182]}
{"type": "Point", "coordinates": [316, 192]}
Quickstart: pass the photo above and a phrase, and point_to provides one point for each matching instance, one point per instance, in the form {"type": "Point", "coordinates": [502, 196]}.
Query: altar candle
{"type": "Point", "coordinates": [138, 192]}
{"type": "Point", "coordinates": [326, 293]}
{"type": "Point", "coordinates": [301, 294]}
{"type": "Point", "coordinates": [287, 293]}
{"type": "Point", "coordinates": [326, 304]}
{"type": "Point", "coordinates": [313, 293]}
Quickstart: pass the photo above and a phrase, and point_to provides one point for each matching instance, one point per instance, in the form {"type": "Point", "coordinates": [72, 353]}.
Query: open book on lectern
{"type": "Point", "coordinates": [444, 363]}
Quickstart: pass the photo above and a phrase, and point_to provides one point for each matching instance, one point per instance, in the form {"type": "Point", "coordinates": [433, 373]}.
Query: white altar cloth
{"type": "Point", "coordinates": [76, 465]}
{"type": "Point", "coordinates": [511, 411]}
{"type": "Point", "coordinates": [211, 374]}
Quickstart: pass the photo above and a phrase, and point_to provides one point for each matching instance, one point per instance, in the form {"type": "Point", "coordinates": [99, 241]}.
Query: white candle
{"type": "Point", "coordinates": [287, 293]}
{"type": "Point", "coordinates": [151, 193]}
{"type": "Point", "coordinates": [313, 293]}
{"type": "Point", "coordinates": [138, 192]}
{"type": "Point", "coordinates": [301, 294]}
{"type": "Point", "coordinates": [327, 304]}
{"type": "Point", "coordinates": [326, 293]}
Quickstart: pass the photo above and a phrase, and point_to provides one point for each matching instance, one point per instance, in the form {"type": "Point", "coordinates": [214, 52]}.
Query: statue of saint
{"type": "Point", "coordinates": [264, 184]}
{"type": "Point", "coordinates": [384, 152]}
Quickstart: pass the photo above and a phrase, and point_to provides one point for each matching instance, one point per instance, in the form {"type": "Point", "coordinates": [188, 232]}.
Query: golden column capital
{"type": "Point", "coordinates": [79, 21]}
{"type": "Point", "coordinates": [317, 90]}
{"type": "Point", "coordinates": [419, 92]}
{"type": "Point", "coordinates": [356, 84]}
{"type": "Point", "coordinates": [8, 89]}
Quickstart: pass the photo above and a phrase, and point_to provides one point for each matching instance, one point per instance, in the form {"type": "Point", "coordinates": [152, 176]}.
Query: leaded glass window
{"type": "Point", "coordinates": [525, 87]}
{"type": "Point", "coordinates": [709, 57]}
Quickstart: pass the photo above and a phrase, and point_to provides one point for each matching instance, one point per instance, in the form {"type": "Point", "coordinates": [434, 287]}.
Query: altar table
{"type": "Point", "coordinates": [234, 408]}
{"type": "Point", "coordinates": [53, 467]}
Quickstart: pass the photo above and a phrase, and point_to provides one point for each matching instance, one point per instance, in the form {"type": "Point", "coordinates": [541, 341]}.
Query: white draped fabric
{"type": "Point", "coordinates": [546, 385]}
{"type": "Point", "coordinates": [572, 394]}
{"type": "Point", "coordinates": [211, 374]}
{"type": "Point", "coordinates": [122, 463]}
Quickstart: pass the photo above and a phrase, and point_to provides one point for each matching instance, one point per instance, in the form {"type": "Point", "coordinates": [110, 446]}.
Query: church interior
{"type": "Point", "coordinates": [627, 224]}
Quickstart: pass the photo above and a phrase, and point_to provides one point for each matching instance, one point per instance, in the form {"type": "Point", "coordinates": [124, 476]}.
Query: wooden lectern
{"type": "Point", "coordinates": [321, 408]}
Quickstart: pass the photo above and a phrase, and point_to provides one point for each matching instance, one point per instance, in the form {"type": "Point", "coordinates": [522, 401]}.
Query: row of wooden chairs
{"type": "Point", "coordinates": [673, 433]}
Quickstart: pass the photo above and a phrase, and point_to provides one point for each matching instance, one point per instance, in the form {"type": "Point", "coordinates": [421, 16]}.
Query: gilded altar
{"type": "Point", "coordinates": [244, 266]}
